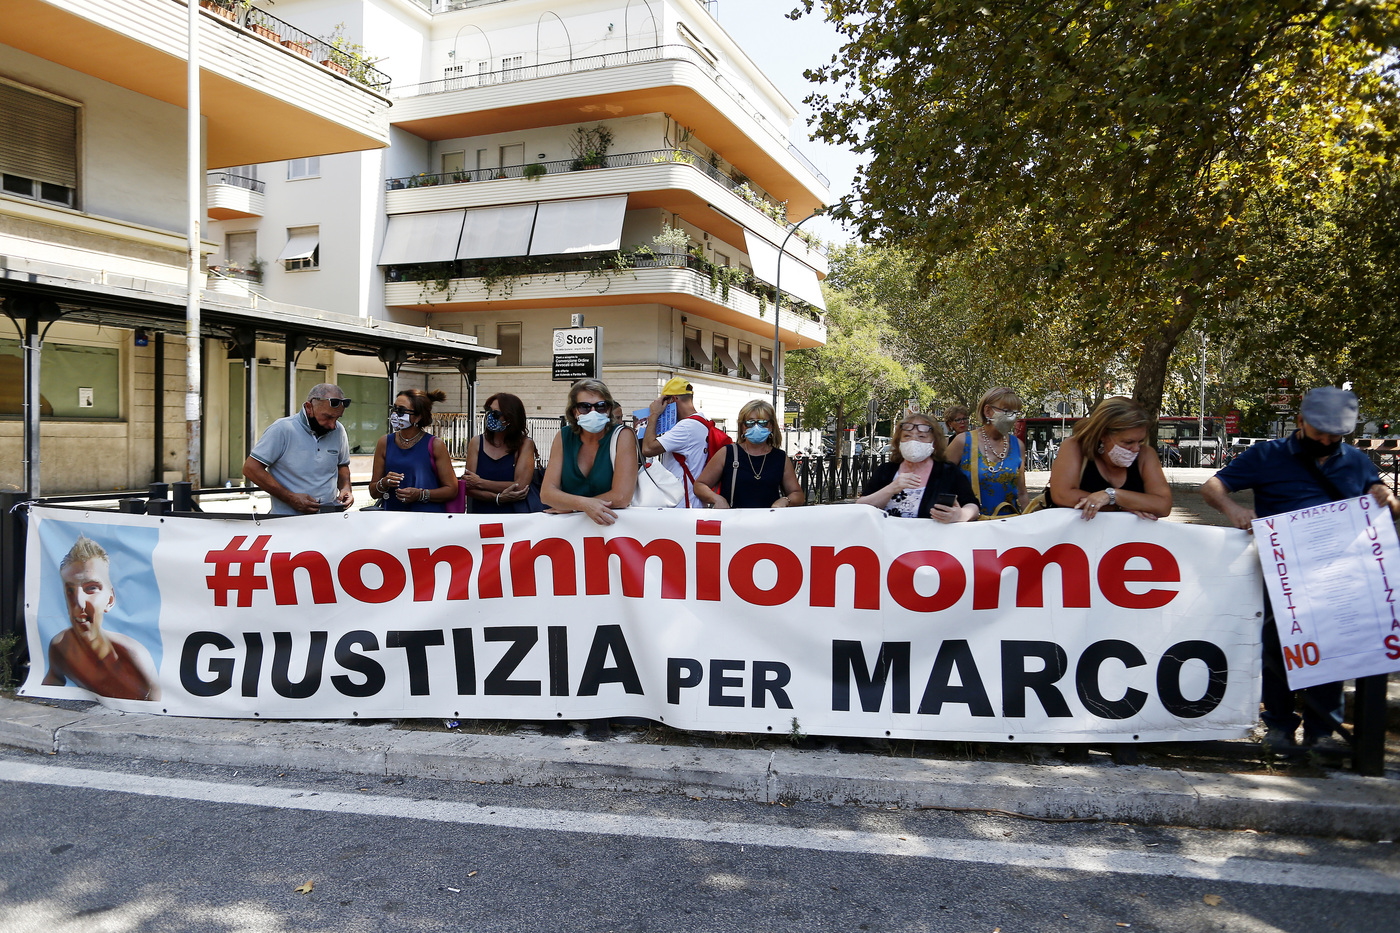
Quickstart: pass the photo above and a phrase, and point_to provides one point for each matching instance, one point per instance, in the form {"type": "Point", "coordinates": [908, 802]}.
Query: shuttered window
{"type": "Point", "coordinates": [38, 145]}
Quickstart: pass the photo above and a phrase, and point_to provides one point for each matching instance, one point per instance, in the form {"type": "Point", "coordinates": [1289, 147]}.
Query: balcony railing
{"type": "Point", "coordinates": [743, 189]}
{"type": "Point", "coordinates": [237, 181]}
{"type": "Point", "coordinates": [303, 43]}
{"type": "Point", "coordinates": [721, 278]}
{"type": "Point", "coordinates": [611, 60]}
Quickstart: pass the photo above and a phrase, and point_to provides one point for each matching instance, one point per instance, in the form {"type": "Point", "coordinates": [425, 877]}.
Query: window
{"type": "Point", "coordinates": [309, 167]}
{"type": "Point", "coordinates": [721, 259]}
{"type": "Point", "coordinates": [452, 77]}
{"type": "Point", "coordinates": [75, 382]}
{"type": "Point", "coordinates": [514, 67]}
{"type": "Point", "coordinates": [695, 356]}
{"type": "Point", "coordinates": [724, 363]}
{"type": "Point", "coordinates": [513, 155]}
{"type": "Point", "coordinates": [765, 362]}
{"type": "Point", "coordinates": [454, 163]}
{"type": "Point", "coordinates": [303, 249]}
{"type": "Point", "coordinates": [38, 146]}
{"type": "Point", "coordinates": [508, 340]}
{"type": "Point", "coordinates": [747, 367]}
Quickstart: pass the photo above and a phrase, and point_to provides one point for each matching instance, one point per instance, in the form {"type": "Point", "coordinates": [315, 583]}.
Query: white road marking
{"type": "Point", "coordinates": [1232, 868]}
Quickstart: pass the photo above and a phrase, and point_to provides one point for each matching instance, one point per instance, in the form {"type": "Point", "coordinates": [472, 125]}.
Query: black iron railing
{"type": "Point", "coordinates": [832, 477]}
{"type": "Point", "coordinates": [264, 24]}
{"type": "Point", "coordinates": [237, 181]}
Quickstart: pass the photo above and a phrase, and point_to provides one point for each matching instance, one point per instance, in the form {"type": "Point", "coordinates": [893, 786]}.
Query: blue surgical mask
{"type": "Point", "coordinates": [593, 422]}
{"type": "Point", "coordinates": [494, 422]}
{"type": "Point", "coordinates": [757, 435]}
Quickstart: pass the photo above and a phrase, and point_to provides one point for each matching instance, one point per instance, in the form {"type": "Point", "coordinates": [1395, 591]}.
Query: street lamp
{"type": "Point", "coordinates": [778, 309]}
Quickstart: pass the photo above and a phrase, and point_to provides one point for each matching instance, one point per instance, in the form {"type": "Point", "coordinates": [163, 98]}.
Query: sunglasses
{"type": "Point", "coordinates": [756, 424]}
{"type": "Point", "coordinates": [914, 428]}
{"type": "Point", "coordinates": [584, 408]}
{"type": "Point", "coordinates": [336, 402]}
{"type": "Point", "coordinates": [399, 410]}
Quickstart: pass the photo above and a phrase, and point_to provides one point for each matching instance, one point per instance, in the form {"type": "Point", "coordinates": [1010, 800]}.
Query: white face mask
{"type": "Point", "coordinates": [400, 422]}
{"type": "Point", "coordinates": [593, 422]}
{"type": "Point", "coordinates": [1121, 456]}
{"type": "Point", "coordinates": [915, 451]}
{"type": "Point", "coordinates": [1004, 423]}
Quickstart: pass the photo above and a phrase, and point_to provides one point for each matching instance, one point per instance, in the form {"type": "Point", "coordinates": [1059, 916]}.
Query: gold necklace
{"type": "Point", "coordinates": [402, 446]}
{"type": "Point", "coordinates": [758, 474]}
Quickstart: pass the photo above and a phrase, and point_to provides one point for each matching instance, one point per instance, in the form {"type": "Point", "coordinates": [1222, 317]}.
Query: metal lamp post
{"type": "Point", "coordinates": [778, 309]}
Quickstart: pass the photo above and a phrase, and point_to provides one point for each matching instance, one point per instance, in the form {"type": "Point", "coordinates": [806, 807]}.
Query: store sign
{"type": "Point", "coordinates": [577, 353]}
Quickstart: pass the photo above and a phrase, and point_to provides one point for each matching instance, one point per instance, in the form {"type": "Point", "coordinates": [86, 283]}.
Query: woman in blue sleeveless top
{"type": "Point", "coordinates": [501, 460]}
{"type": "Point", "coordinates": [587, 471]}
{"type": "Point", "coordinates": [996, 474]}
{"type": "Point", "coordinates": [412, 469]}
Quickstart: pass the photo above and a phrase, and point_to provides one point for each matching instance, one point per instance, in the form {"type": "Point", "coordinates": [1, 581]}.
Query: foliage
{"type": "Point", "coordinates": [534, 170]}
{"type": "Point", "coordinates": [591, 145]}
{"type": "Point", "coordinates": [1124, 168]}
{"type": "Point", "coordinates": [351, 56]}
{"type": "Point", "coordinates": [671, 239]}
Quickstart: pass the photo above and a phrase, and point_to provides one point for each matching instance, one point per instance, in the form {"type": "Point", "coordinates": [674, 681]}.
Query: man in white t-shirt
{"type": "Point", "coordinates": [688, 440]}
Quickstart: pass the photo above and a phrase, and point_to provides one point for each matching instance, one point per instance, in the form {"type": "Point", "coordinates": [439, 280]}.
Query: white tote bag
{"type": "Point", "coordinates": [657, 487]}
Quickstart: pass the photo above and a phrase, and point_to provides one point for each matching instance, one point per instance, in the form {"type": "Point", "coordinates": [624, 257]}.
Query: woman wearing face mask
{"type": "Point", "coordinates": [501, 460]}
{"type": "Point", "coordinates": [1107, 465]}
{"type": "Point", "coordinates": [910, 484]}
{"type": "Point", "coordinates": [991, 456]}
{"type": "Point", "coordinates": [412, 469]}
{"type": "Point", "coordinates": [587, 472]}
{"type": "Point", "coordinates": [754, 473]}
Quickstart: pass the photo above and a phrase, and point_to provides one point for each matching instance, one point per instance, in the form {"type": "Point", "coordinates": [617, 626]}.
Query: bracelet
{"type": "Point", "coordinates": [423, 496]}
{"type": "Point", "coordinates": [380, 485]}
{"type": "Point", "coordinates": [498, 497]}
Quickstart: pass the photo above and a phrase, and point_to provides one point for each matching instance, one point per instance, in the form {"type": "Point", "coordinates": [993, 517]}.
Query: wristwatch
{"type": "Point", "coordinates": [1112, 495]}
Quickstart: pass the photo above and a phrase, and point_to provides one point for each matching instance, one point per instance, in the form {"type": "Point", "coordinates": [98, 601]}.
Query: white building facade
{"type": "Point", "coordinates": [539, 152]}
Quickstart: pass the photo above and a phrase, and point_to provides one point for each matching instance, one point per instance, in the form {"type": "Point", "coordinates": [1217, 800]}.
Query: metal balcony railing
{"type": "Point", "coordinates": [237, 181]}
{"type": "Point", "coordinates": [656, 53]}
{"type": "Point", "coordinates": [744, 189]}
{"type": "Point", "coordinates": [303, 43]}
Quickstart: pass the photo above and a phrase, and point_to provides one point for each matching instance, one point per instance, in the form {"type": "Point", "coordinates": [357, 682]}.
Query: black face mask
{"type": "Point", "coordinates": [1317, 449]}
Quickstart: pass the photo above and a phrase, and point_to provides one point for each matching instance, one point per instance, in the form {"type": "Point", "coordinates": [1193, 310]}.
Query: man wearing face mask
{"type": "Point", "coordinates": [303, 461]}
{"type": "Point", "coordinates": [1310, 467]}
{"type": "Point", "coordinates": [684, 448]}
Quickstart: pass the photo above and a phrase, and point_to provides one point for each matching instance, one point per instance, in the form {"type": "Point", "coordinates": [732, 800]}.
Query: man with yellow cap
{"type": "Point", "coordinates": [684, 448]}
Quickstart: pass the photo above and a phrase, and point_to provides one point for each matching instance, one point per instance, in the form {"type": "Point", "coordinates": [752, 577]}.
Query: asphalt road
{"type": "Point", "coordinates": [118, 845]}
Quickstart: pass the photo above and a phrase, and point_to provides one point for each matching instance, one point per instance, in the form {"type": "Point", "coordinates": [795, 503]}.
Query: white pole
{"type": "Point", "coordinates": [194, 169]}
{"type": "Point", "coordinates": [1201, 412]}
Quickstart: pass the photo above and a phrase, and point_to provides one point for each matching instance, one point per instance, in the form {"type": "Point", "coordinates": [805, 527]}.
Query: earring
{"type": "Point", "coordinates": [1100, 448]}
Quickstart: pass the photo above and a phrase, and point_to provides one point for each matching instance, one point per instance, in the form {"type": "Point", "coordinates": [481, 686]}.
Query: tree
{"type": "Point", "coordinates": [1127, 163]}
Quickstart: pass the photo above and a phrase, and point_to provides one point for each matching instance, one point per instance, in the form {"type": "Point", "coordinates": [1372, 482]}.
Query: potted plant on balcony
{"type": "Point", "coordinates": [222, 8]}
{"type": "Point", "coordinates": [591, 145]}
{"type": "Point", "coordinates": [534, 170]}
{"type": "Point", "coordinates": [296, 46]}
{"type": "Point", "coordinates": [258, 22]}
{"type": "Point", "coordinates": [347, 57]}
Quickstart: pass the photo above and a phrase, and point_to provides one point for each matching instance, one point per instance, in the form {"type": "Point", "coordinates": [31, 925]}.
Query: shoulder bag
{"type": "Point", "coordinates": [657, 487]}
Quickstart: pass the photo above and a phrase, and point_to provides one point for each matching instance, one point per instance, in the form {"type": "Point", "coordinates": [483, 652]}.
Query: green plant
{"type": "Point", "coordinates": [534, 170]}
{"type": "Point", "coordinates": [682, 155]}
{"type": "Point", "coordinates": [9, 648]}
{"type": "Point", "coordinates": [460, 177]}
{"type": "Point", "coordinates": [795, 733]}
{"type": "Point", "coordinates": [351, 56]}
{"type": "Point", "coordinates": [671, 239]}
{"type": "Point", "coordinates": [590, 146]}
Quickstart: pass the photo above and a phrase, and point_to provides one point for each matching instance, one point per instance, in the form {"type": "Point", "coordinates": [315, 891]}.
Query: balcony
{"type": "Point", "coordinates": [230, 196]}
{"type": "Point", "coordinates": [724, 294]}
{"type": "Point", "coordinates": [263, 101]}
{"type": "Point", "coordinates": [676, 180]}
{"type": "Point", "coordinates": [672, 79]}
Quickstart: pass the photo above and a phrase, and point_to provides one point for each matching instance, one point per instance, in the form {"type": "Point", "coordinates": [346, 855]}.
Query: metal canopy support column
{"type": "Point", "coordinates": [292, 349]}
{"type": "Point", "coordinates": [33, 360]}
{"type": "Point", "coordinates": [468, 369]}
{"type": "Point", "coordinates": [246, 346]}
{"type": "Point", "coordinates": [158, 407]}
{"type": "Point", "coordinates": [393, 358]}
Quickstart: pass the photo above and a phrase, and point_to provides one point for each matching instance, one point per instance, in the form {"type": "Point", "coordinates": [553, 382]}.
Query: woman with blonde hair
{"type": "Point", "coordinates": [1107, 465]}
{"type": "Point", "coordinates": [754, 473]}
{"type": "Point", "coordinates": [917, 482]}
{"type": "Point", "coordinates": [593, 462]}
{"type": "Point", "coordinates": [991, 455]}
{"type": "Point", "coordinates": [412, 470]}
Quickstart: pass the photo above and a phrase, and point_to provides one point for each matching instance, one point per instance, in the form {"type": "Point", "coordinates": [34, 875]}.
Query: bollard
{"type": "Point", "coordinates": [132, 506]}
{"type": "Point", "coordinates": [158, 506]}
{"type": "Point", "coordinates": [1368, 722]}
{"type": "Point", "coordinates": [182, 495]}
{"type": "Point", "coordinates": [159, 491]}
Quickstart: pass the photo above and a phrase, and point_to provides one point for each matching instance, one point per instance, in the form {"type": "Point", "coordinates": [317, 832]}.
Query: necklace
{"type": "Point", "coordinates": [758, 474]}
{"type": "Point", "coordinates": [991, 446]}
{"type": "Point", "coordinates": [405, 446]}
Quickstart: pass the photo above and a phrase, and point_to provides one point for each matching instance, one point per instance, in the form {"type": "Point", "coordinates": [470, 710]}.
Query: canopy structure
{"type": "Point", "coordinates": [36, 295]}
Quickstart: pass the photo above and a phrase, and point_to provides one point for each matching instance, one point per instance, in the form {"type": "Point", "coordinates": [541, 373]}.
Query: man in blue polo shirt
{"type": "Point", "coordinates": [303, 461]}
{"type": "Point", "coordinates": [1310, 467]}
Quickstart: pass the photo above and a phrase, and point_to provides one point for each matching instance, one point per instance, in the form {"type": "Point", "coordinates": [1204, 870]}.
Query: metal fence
{"type": "Point", "coordinates": [455, 428]}
{"type": "Point", "coordinates": [833, 478]}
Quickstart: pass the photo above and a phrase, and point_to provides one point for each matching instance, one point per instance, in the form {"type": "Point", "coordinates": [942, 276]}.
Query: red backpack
{"type": "Point", "coordinates": [715, 440]}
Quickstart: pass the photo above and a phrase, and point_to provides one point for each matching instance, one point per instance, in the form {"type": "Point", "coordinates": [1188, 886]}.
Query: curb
{"type": "Point", "coordinates": [1338, 805]}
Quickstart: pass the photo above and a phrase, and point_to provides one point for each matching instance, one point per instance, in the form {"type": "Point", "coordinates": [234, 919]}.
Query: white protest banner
{"type": "Point", "coordinates": [834, 620]}
{"type": "Point", "coordinates": [1332, 590]}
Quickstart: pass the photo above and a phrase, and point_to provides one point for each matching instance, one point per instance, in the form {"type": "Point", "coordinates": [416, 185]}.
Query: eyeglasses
{"type": "Point", "coordinates": [336, 402]}
{"type": "Point", "coordinates": [911, 427]}
{"type": "Point", "coordinates": [1008, 411]}
{"type": "Point", "coordinates": [399, 410]}
{"type": "Point", "coordinates": [584, 408]}
{"type": "Point", "coordinates": [756, 424]}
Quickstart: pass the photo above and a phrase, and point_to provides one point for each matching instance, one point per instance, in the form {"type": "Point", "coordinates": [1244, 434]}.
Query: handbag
{"type": "Point", "coordinates": [657, 487]}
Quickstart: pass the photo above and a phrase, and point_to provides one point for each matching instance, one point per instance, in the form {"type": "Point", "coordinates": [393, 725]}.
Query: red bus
{"type": "Point", "coordinates": [1173, 431]}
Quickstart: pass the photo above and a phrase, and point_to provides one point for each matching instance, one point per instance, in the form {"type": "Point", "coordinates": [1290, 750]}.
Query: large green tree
{"type": "Point", "coordinates": [1126, 165]}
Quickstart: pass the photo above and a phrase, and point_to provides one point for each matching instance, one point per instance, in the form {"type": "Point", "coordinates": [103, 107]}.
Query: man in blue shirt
{"type": "Point", "coordinates": [303, 461]}
{"type": "Point", "coordinates": [1310, 467]}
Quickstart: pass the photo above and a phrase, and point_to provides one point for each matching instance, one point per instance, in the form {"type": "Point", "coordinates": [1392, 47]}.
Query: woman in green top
{"type": "Point", "coordinates": [588, 471]}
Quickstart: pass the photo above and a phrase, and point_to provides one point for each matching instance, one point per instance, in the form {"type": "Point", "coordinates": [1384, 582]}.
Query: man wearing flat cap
{"type": "Point", "coordinates": [683, 449]}
{"type": "Point", "coordinates": [1310, 467]}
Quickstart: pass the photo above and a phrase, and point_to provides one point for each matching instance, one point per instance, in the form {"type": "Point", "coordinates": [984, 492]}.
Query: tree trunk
{"type": "Point", "coordinates": [1152, 365]}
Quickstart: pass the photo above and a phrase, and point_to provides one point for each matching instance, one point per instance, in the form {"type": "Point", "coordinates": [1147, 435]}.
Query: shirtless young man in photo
{"type": "Point", "coordinates": [107, 663]}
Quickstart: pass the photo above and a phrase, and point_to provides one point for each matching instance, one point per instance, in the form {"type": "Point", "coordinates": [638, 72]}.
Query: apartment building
{"type": "Point", "coordinates": [93, 239]}
{"type": "Point", "coordinates": [620, 159]}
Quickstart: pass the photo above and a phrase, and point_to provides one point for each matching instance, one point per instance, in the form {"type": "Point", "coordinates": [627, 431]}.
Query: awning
{"type": "Point", "coordinates": [489, 232]}
{"type": "Point", "coordinates": [767, 363]}
{"type": "Point", "coordinates": [428, 237]}
{"type": "Point", "coordinates": [300, 246]}
{"type": "Point", "coordinates": [692, 346]}
{"type": "Point", "coordinates": [746, 358]}
{"type": "Point", "coordinates": [587, 225]}
{"type": "Point", "coordinates": [722, 354]}
{"type": "Point", "coordinates": [799, 279]}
